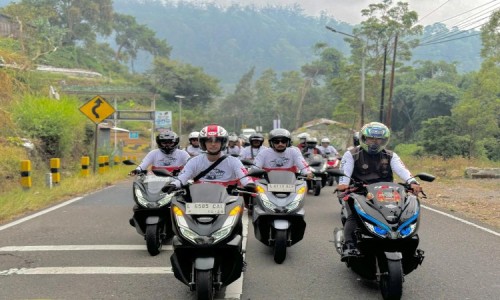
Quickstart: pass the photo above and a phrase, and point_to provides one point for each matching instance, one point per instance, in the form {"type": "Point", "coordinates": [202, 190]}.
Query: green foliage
{"type": "Point", "coordinates": [57, 124]}
{"type": "Point", "coordinates": [440, 136]}
{"type": "Point", "coordinates": [408, 149]}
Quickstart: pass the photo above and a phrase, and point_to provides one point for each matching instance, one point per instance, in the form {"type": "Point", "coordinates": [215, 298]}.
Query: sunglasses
{"type": "Point", "coordinates": [280, 141]}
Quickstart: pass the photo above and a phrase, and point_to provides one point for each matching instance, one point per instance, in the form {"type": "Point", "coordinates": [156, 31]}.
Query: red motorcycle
{"type": "Point", "coordinates": [331, 162]}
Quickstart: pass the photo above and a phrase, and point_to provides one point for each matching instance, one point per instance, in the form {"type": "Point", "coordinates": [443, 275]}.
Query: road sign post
{"type": "Point", "coordinates": [97, 109]}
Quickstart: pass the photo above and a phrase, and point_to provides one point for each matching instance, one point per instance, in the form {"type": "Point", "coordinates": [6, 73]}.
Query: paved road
{"type": "Point", "coordinates": [87, 250]}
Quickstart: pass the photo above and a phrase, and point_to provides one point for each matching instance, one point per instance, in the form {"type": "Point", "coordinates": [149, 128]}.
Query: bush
{"type": "Point", "coordinates": [57, 124]}
{"type": "Point", "coordinates": [408, 149]}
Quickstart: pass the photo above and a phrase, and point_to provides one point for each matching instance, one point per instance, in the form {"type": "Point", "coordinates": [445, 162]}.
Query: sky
{"type": "Point", "coordinates": [349, 11]}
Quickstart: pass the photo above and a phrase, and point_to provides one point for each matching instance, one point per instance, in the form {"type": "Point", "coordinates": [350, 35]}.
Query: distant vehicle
{"type": "Point", "coordinates": [247, 132]}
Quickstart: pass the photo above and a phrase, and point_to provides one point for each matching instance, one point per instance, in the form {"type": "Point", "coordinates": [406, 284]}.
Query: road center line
{"type": "Point", "coordinates": [462, 220]}
{"type": "Point", "coordinates": [78, 248]}
{"type": "Point", "coordinates": [86, 270]}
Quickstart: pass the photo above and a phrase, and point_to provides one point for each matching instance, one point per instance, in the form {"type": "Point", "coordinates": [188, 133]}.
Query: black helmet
{"type": "Point", "coordinates": [278, 134]}
{"type": "Point", "coordinates": [256, 137]}
{"type": "Point", "coordinates": [169, 136]}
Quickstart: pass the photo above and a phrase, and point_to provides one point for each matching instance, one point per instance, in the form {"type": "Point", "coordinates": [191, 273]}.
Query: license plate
{"type": "Point", "coordinates": [205, 208]}
{"type": "Point", "coordinates": [283, 188]}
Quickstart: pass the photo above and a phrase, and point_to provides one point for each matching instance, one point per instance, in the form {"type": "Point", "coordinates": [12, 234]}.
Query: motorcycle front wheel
{"type": "Point", "coordinates": [204, 285]}
{"type": "Point", "coordinates": [153, 241]}
{"type": "Point", "coordinates": [317, 188]}
{"type": "Point", "coordinates": [280, 246]}
{"type": "Point", "coordinates": [391, 282]}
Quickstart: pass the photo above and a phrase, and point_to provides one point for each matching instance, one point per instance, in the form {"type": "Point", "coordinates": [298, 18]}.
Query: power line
{"type": "Point", "coordinates": [453, 34]}
{"type": "Point", "coordinates": [464, 37]}
{"type": "Point", "coordinates": [432, 11]}
{"type": "Point", "coordinates": [466, 12]}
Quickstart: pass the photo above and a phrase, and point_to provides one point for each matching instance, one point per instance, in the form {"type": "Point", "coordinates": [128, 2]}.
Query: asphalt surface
{"type": "Point", "coordinates": [87, 250]}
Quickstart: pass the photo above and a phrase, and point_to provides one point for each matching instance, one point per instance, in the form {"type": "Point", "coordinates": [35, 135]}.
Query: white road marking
{"type": "Point", "coordinates": [39, 213]}
{"type": "Point", "coordinates": [235, 289]}
{"type": "Point", "coordinates": [86, 270]}
{"type": "Point", "coordinates": [79, 247]}
{"type": "Point", "coordinates": [462, 220]}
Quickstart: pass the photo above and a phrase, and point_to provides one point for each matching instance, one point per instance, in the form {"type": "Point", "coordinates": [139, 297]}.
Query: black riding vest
{"type": "Point", "coordinates": [372, 168]}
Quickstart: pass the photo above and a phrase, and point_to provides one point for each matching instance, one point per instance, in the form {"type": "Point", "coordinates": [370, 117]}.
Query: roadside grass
{"type": "Point", "coordinates": [18, 202]}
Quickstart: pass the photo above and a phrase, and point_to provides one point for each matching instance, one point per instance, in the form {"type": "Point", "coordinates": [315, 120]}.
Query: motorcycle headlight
{"type": "Point", "coordinates": [404, 232]}
{"type": "Point", "coordinates": [265, 200]}
{"type": "Point", "coordinates": [188, 234]}
{"type": "Point", "coordinates": [300, 195]}
{"type": "Point", "coordinates": [376, 229]}
{"type": "Point", "coordinates": [165, 200]}
{"type": "Point", "coordinates": [183, 227]}
{"type": "Point", "coordinates": [140, 198]}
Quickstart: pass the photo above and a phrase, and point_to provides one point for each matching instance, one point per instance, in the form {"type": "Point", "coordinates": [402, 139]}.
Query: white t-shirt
{"type": "Point", "coordinates": [248, 151]}
{"type": "Point", "coordinates": [193, 151]}
{"type": "Point", "coordinates": [328, 150]}
{"type": "Point", "coordinates": [235, 150]}
{"type": "Point", "coordinates": [228, 171]}
{"type": "Point", "coordinates": [171, 162]}
{"type": "Point", "coordinates": [347, 165]}
{"type": "Point", "coordinates": [290, 159]}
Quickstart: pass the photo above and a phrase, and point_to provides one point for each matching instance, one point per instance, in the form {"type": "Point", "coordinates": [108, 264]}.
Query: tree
{"type": "Point", "coordinates": [440, 136]}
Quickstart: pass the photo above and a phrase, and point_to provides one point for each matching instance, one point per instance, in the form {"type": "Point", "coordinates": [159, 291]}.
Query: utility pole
{"type": "Point", "coordinates": [388, 118]}
{"type": "Point", "coordinates": [381, 116]}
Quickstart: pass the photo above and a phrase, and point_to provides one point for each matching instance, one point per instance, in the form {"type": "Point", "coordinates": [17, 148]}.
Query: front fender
{"type": "Point", "coordinates": [152, 220]}
{"type": "Point", "coordinates": [204, 263]}
{"type": "Point", "coordinates": [281, 224]}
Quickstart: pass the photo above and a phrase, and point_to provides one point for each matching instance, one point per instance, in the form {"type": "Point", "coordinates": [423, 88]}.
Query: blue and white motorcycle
{"type": "Point", "coordinates": [388, 215]}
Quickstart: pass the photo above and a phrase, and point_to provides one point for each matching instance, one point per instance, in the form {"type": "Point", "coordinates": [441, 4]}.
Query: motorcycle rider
{"type": "Point", "coordinates": [213, 140]}
{"type": "Point", "coordinates": [233, 146]}
{"type": "Point", "coordinates": [167, 156]}
{"type": "Point", "coordinates": [302, 140]}
{"type": "Point", "coordinates": [194, 144]}
{"type": "Point", "coordinates": [281, 155]}
{"type": "Point", "coordinates": [327, 149]}
{"type": "Point", "coordinates": [311, 147]}
{"type": "Point", "coordinates": [369, 162]}
{"type": "Point", "coordinates": [256, 145]}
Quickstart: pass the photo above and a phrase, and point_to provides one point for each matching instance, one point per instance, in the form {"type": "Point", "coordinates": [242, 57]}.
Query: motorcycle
{"type": "Point", "coordinates": [151, 216]}
{"type": "Point", "coordinates": [207, 222]}
{"type": "Point", "coordinates": [316, 183]}
{"type": "Point", "coordinates": [331, 162]}
{"type": "Point", "coordinates": [278, 217]}
{"type": "Point", "coordinates": [387, 239]}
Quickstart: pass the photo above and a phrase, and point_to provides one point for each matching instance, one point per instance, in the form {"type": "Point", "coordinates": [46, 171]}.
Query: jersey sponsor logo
{"type": "Point", "coordinates": [279, 162]}
{"type": "Point", "coordinates": [215, 174]}
{"type": "Point", "coordinates": [168, 161]}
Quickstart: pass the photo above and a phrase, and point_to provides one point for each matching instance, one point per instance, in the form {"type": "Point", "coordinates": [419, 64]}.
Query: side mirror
{"type": "Point", "coordinates": [128, 162]}
{"type": "Point", "coordinates": [426, 177]}
{"type": "Point", "coordinates": [256, 173]}
{"type": "Point", "coordinates": [335, 172]}
{"type": "Point", "coordinates": [247, 162]}
{"type": "Point", "coordinates": [315, 164]}
{"type": "Point", "coordinates": [162, 173]}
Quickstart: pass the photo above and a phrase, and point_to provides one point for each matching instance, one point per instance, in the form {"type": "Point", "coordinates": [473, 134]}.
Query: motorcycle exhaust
{"type": "Point", "coordinates": [338, 239]}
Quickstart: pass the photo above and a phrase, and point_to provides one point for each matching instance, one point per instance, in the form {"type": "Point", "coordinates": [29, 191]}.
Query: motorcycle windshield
{"type": "Point", "coordinates": [207, 193]}
{"type": "Point", "coordinates": [153, 183]}
{"type": "Point", "coordinates": [281, 177]}
{"type": "Point", "coordinates": [388, 198]}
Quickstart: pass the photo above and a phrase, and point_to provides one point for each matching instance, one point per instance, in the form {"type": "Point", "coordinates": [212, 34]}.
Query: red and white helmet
{"type": "Point", "coordinates": [213, 132]}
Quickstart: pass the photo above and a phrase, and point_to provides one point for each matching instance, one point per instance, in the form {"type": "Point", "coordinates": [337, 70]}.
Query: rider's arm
{"type": "Point", "coordinates": [240, 172]}
{"type": "Point", "coordinates": [347, 166]}
{"type": "Point", "coordinates": [148, 160]}
{"type": "Point", "coordinates": [399, 168]}
{"type": "Point", "coordinates": [188, 172]}
{"type": "Point", "coordinates": [300, 162]}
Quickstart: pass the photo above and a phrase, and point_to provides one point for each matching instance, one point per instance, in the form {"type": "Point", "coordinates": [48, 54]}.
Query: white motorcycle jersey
{"type": "Point", "coordinates": [193, 151]}
{"type": "Point", "coordinates": [328, 150]}
{"type": "Point", "coordinates": [251, 153]}
{"type": "Point", "coordinates": [173, 161]}
{"type": "Point", "coordinates": [229, 171]}
{"type": "Point", "coordinates": [291, 159]}
{"type": "Point", "coordinates": [235, 150]}
{"type": "Point", "coordinates": [397, 166]}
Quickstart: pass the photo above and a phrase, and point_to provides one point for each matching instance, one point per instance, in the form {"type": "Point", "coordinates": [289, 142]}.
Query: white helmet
{"type": "Point", "coordinates": [325, 140]}
{"type": "Point", "coordinates": [194, 135]}
{"type": "Point", "coordinates": [233, 138]}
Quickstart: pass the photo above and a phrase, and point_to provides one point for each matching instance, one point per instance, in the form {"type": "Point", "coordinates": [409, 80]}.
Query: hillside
{"type": "Point", "coordinates": [227, 43]}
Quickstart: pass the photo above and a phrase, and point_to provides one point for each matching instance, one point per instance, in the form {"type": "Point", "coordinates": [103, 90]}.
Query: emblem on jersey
{"type": "Point", "coordinates": [168, 161]}
{"type": "Point", "coordinates": [280, 162]}
{"type": "Point", "coordinates": [215, 174]}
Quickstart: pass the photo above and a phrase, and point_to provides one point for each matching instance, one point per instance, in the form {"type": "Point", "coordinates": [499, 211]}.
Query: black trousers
{"type": "Point", "coordinates": [350, 226]}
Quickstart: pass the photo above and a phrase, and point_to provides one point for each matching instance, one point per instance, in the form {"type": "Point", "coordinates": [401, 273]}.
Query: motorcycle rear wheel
{"type": "Point", "coordinates": [153, 241]}
{"type": "Point", "coordinates": [204, 285]}
{"type": "Point", "coordinates": [280, 246]}
{"type": "Point", "coordinates": [391, 283]}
